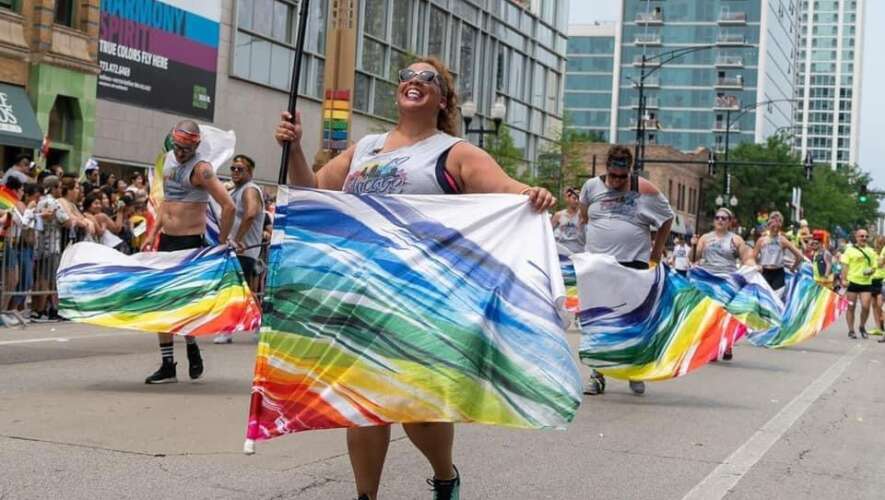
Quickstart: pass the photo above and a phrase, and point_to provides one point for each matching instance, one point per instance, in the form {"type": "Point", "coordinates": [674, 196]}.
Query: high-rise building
{"type": "Point", "coordinates": [745, 57]}
{"type": "Point", "coordinates": [591, 70]}
{"type": "Point", "coordinates": [828, 80]}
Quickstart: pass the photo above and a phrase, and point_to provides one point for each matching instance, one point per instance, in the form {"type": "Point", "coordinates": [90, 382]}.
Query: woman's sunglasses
{"type": "Point", "coordinates": [722, 217]}
{"type": "Point", "coordinates": [426, 76]}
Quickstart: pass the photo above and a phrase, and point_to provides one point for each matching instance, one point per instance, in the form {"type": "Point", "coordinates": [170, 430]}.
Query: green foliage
{"type": "Point", "coordinates": [830, 199]}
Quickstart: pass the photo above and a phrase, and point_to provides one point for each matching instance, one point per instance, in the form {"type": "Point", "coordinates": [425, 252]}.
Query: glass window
{"type": "Point", "coordinates": [402, 20]}
{"type": "Point", "coordinates": [385, 99]}
{"type": "Point", "coordinates": [64, 12]}
{"type": "Point", "coordinates": [376, 18]}
{"type": "Point", "coordinates": [244, 14]}
{"type": "Point", "coordinates": [398, 61]}
{"type": "Point", "coordinates": [467, 63]}
{"type": "Point", "coordinates": [373, 56]}
{"type": "Point", "coordinates": [436, 42]}
{"type": "Point", "coordinates": [361, 92]}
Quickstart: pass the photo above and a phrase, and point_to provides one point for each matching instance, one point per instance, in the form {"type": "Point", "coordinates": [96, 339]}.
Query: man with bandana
{"type": "Point", "coordinates": [181, 224]}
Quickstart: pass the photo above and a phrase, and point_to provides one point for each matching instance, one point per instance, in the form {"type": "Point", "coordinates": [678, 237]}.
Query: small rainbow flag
{"type": "Point", "coordinates": [8, 198]}
{"type": "Point", "coordinates": [647, 324]}
{"type": "Point", "coordinates": [191, 292]}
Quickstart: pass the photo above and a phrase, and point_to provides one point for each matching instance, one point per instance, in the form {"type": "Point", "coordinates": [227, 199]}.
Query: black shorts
{"type": "Point", "coordinates": [170, 243]}
{"type": "Point", "coordinates": [248, 265]}
{"type": "Point", "coordinates": [635, 264]}
{"type": "Point", "coordinates": [776, 278]}
{"type": "Point", "coordinates": [857, 288]}
{"type": "Point", "coordinates": [682, 272]}
{"type": "Point", "coordinates": [876, 288]}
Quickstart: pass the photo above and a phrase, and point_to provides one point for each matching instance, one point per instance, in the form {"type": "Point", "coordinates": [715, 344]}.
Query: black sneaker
{"type": "Point", "coordinates": [195, 361]}
{"type": "Point", "coordinates": [449, 489]}
{"type": "Point", "coordinates": [165, 375]}
{"type": "Point", "coordinates": [596, 384]}
{"type": "Point", "coordinates": [53, 315]}
{"type": "Point", "coordinates": [727, 355]}
{"type": "Point", "coordinates": [852, 335]}
{"type": "Point", "coordinates": [864, 334]}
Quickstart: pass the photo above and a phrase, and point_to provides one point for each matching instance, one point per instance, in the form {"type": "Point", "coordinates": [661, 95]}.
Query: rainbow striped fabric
{"type": "Point", "coordinates": [745, 294]}
{"type": "Point", "coordinates": [809, 309]}
{"type": "Point", "coordinates": [8, 198]}
{"type": "Point", "coordinates": [191, 292]}
{"type": "Point", "coordinates": [647, 325]}
{"type": "Point", "coordinates": [570, 280]}
{"type": "Point", "coordinates": [384, 309]}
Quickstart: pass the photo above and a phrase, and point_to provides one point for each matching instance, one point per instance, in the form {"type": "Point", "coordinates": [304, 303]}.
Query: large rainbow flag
{"type": "Point", "coordinates": [384, 309]}
{"type": "Point", "coordinates": [809, 309]}
{"type": "Point", "coordinates": [745, 294]}
{"type": "Point", "coordinates": [191, 292]}
{"type": "Point", "coordinates": [647, 324]}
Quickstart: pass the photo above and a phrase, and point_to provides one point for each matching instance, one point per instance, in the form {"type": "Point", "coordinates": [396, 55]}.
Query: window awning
{"type": "Point", "coordinates": [18, 124]}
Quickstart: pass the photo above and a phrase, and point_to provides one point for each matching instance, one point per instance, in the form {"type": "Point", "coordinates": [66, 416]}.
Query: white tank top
{"type": "Point", "coordinates": [414, 169]}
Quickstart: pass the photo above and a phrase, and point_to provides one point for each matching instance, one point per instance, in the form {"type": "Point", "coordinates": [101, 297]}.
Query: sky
{"type": "Point", "coordinates": [872, 116]}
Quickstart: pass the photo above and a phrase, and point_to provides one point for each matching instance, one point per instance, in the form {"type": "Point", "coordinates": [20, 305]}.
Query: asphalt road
{"type": "Point", "coordinates": [77, 421]}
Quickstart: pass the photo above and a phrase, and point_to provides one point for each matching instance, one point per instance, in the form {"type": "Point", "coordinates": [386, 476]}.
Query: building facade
{"type": "Point", "coordinates": [591, 72]}
{"type": "Point", "coordinates": [745, 54]}
{"type": "Point", "coordinates": [48, 56]}
{"type": "Point", "coordinates": [828, 80]}
{"type": "Point", "coordinates": [498, 50]}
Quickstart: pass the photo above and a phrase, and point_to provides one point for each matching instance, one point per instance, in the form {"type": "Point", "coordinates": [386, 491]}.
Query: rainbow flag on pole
{"type": "Point", "coordinates": [8, 198]}
{"type": "Point", "coordinates": [385, 309]}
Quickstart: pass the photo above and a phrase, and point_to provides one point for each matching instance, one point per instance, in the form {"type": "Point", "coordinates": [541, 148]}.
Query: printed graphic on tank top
{"type": "Point", "coordinates": [569, 232]}
{"type": "Point", "coordinates": [720, 254]}
{"type": "Point", "coordinates": [413, 169]}
{"type": "Point", "coordinates": [772, 254]}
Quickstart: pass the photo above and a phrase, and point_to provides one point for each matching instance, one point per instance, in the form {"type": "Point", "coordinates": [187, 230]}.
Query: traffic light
{"type": "Point", "coordinates": [863, 195]}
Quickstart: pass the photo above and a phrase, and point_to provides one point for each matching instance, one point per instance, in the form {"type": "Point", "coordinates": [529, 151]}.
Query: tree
{"type": "Point", "coordinates": [828, 200]}
{"type": "Point", "coordinates": [502, 148]}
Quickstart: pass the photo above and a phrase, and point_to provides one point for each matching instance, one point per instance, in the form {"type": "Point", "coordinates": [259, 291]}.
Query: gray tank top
{"type": "Point", "coordinates": [569, 232]}
{"type": "Point", "coordinates": [411, 169]}
{"type": "Point", "coordinates": [720, 254]}
{"type": "Point", "coordinates": [253, 235]}
{"type": "Point", "coordinates": [177, 184]}
{"type": "Point", "coordinates": [772, 253]}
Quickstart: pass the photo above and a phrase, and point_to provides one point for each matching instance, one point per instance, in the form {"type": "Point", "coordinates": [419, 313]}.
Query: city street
{"type": "Point", "coordinates": [77, 421]}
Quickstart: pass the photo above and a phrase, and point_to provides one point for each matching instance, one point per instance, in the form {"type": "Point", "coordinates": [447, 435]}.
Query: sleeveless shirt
{"type": "Point", "coordinates": [177, 184]}
{"type": "Point", "coordinates": [569, 232]}
{"type": "Point", "coordinates": [772, 254]}
{"type": "Point", "coordinates": [413, 169]}
{"type": "Point", "coordinates": [253, 235]}
{"type": "Point", "coordinates": [720, 254]}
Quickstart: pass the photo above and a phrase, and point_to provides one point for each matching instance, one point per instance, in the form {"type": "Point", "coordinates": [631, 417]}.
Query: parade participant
{"type": "Point", "coordinates": [567, 227]}
{"type": "Point", "coordinates": [822, 263]}
{"type": "Point", "coordinates": [680, 259]}
{"type": "Point", "coordinates": [421, 155]}
{"type": "Point", "coordinates": [876, 298]}
{"type": "Point", "coordinates": [181, 224]}
{"type": "Point", "coordinates": [12, 226]}
{"type": "Point", "coordinates": [770, 252]}
{"type": "Point", "coordinates": [248, 221]}
{"type": "Point", "coordinates": [620, 210]}
{"type": "Point", "coordinates": [858, 266]}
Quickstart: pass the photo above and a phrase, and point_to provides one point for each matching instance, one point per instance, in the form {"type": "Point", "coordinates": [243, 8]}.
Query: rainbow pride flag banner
{"type": "Point", "coordinates": [570, 280]}
{"type": "Point", "coordinates": [745, 294]}
{"type": "Point", "coordinates": [190, 292]}
{"type": "Point", "coordinates": [383, 309]}
{"type": "Point", "coordinates": [809, 309]}
{"type": "Point", "coordinates": [647, 324]}
{"type": "Point", "coordinates": [8, 198]}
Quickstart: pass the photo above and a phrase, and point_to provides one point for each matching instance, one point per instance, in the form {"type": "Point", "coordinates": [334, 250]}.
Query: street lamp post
{"type": "Point", "coordinates": [468, 112]}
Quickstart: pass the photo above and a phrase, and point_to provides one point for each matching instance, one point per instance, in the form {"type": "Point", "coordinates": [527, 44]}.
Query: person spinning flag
{"type": "Point", "coordinates": [181, 223]}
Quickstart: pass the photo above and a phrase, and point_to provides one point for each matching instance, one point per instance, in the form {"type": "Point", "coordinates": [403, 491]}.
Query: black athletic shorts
{"type": "Point", "coordinates": [635, 264]}
{"type": "Point", "coordinates": [248, 265]}
{"type": "Point", "coordinates": [857, 288]}
{"type": "Point", "coordinates": [876, 288]}
{"type": "Point", "coordinates": [170, 243]}
{"type": "Point", "coordinates": [776, 278]}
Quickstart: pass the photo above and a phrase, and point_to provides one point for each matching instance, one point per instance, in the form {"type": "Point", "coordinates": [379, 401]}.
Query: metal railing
{"type": "Point", "coordinates": [732, 17]}
{"type": "Point", "coordinates": [727, 102]}
{"type": "Point", "coordinates": [649, 17]}
{"type": "Point", "coordinates": [731, 39]}
{"type": "Point", "coordinates": [729, 61]}
{"type": "Point", "coordinates": [730, 82]}
{"type": "Point", "coordinates": [647, 39]}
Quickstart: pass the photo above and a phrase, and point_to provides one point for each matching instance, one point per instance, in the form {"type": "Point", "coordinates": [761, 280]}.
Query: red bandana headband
{"type": "Point", "coordinates": [185, 138]}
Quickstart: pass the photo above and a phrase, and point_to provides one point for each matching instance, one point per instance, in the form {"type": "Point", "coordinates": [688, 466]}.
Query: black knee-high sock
{"type": "Point", "coordinates": [166, 351]}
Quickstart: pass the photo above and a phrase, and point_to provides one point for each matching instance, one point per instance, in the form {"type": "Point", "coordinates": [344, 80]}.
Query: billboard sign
{"type": "Point", "coordinates": [160, 55]}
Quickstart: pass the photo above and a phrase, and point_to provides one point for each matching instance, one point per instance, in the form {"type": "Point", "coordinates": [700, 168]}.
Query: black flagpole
{"type": "Point", "coordinates": [293, 86]}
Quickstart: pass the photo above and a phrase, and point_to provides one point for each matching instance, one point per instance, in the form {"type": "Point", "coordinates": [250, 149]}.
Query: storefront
{"type": "Point", "coordinates": [19, 131]}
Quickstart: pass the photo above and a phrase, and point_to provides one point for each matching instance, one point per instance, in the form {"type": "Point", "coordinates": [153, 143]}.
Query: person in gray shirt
{"type": "Point", "coordinates": [620, 211]}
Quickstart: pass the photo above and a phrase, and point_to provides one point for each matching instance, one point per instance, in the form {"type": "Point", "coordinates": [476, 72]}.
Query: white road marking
{"type": "Point", "coordinates": [723, 478]}
{"type": "Point", "coordinates": [67, 339]}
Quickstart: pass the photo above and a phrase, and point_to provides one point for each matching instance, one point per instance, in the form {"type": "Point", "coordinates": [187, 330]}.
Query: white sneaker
{"type": "Point", "coordinates": [223, 339]}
